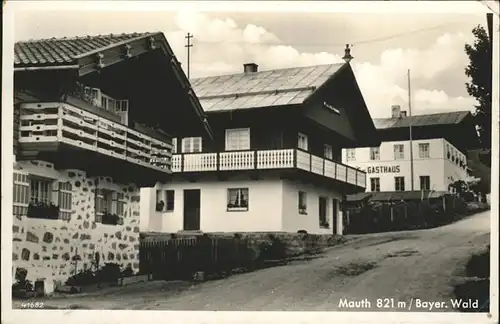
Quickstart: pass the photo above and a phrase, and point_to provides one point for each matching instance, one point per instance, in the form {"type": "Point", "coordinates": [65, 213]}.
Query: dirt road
{"type": "Point", "coordinates": [402, 267]}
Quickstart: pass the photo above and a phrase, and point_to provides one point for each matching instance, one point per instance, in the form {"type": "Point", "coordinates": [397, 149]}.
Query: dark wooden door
{"type": "Point", "coordinates": [192, 209]}
{"type": "Point", "coordinates": [335, 215]}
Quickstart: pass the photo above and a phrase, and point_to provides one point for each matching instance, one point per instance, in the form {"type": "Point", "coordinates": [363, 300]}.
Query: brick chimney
{"type": "Point", "coordinates": [403, 114]}
{"type": "Point", "coordinates": [250, 67]}
{"type": "Point", "coordinates": [395, 111]}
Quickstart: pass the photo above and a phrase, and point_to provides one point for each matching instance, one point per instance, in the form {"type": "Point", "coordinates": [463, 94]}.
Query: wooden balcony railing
{"type": "Point", "coordinates": [267, 159]}
{"type": "Point", "coordinates": [46, 123]}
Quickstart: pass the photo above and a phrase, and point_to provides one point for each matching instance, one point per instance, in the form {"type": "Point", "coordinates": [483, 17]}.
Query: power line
{"type": "Point", "coordinates": [362, 42]}
{"type": "Point", "coordinates": [188, 46]}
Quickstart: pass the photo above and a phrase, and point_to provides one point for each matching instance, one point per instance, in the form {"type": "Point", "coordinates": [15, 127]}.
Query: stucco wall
{"type": "Point", "coordinates": [452, 171]}
{"type": "Point", "coordinates": [263, 214]}
{"type": "Point", "coordinates": [294, 221]}
{"type": "Point", "coordinates": [437, 166]}
{"type": "Point", "coordinates": [45, 247]}
{"type": "Point", "coordinates": [273, 207]}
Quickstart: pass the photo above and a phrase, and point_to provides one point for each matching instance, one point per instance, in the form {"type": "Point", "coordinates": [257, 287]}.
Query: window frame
{"type": "Point", "coordinates": [238, 132]}
{"type": "Point", "coordinates": [48, 195]}
{"type": "Point", "coordinates": [350, 154]}
{"type": "Point", "coordinates": [400, 153]}
{"type": "Point", "coordinates": [398, 184]}
{"type": "Point", "coordinates": [376, 184]}
{"type": "Point", "coordinates": [111, 199]}
{"type": "Point", "coordinates": [328, 151]}
{"type": "Point", "coordinates": [375, 153]}
{"type": "Point", "coordinates": [323, 219]}
{"type": "Point", "coordinates": [302, 202]}
{"type": "Point", "coordinates": [174, 145]}
{"type": "Point", "coordinates": [428, 179]}
{"type": "Point", "coordinates": [424, 154]}
{"type": "Point", "coordinates": [238, 205]}
{"type": "Point", "coordinates": [191, 147]}
{"type": "Point", "coordinates": [169, 205]}
{"type": "Point", "coordinates": [302, 139]}
{"type": "Point", "coordinates": [59, 193]}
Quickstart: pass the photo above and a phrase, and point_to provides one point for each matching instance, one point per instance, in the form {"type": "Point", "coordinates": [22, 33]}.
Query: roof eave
{"type": "Point", "coordinates": [181, 77]}
{"type": "Point", "coordinates": [46, 68]}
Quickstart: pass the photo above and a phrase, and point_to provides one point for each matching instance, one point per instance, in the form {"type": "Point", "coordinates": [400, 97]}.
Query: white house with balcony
{"type": "Point", "coordinates": [439, 149]}
{"type": "Point", "coordinates": [275, 162]}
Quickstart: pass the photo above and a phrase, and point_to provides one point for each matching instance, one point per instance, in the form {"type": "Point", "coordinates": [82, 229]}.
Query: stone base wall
{"type": "Point", "coordinates": [295, 243]}
{"type": "Point", "coordinates": [47, 248]}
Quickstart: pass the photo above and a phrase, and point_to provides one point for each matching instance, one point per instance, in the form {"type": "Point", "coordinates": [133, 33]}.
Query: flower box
{"type": "Point", "coordinates": [110, 219]}
{"type": "Point", "coordinates": [43, 211]}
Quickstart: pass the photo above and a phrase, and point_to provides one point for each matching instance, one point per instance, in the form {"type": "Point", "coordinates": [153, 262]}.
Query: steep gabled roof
{"type": "Point", "coordinates": [76, 52]}
{"type": "Point", "coordinates": [64, 51]}
{"type": "Point", "coordinates": [261, 89]}
{"type": "Point", "coordinates": [449, 118]}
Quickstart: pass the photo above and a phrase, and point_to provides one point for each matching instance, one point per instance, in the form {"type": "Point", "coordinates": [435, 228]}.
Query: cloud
{"type": "Point", "coordinates": [221, 47]}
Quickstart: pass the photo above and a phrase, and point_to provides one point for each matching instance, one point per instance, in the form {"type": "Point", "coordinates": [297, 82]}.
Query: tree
{"type": "Point", "coordinates": [479, 71]}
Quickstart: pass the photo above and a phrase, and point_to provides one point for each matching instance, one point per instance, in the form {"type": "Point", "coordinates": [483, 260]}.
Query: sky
{"type": "Point", "coordinates": [384, 46]}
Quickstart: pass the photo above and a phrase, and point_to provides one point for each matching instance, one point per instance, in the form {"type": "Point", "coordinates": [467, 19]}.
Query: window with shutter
{"type": "Point", "coordinates": [120, 204]}
{"type": "Point", "coordinates": [103, 203]}
{"type": "Point", "coordinates": [21, 194]}
{"type": "Point", "coordinates": [65, 193]}
{"type": "Point", "coordinates": [41, 190]}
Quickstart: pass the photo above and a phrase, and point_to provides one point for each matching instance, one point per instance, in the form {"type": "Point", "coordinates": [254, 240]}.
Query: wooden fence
{"type": "Point", "coordinates": [181, 258]}
{"type": "Point", "coordinates": [401, 215]}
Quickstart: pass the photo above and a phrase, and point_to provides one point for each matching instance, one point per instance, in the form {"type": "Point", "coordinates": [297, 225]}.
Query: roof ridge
{"type": "Point", "coordinates": [430, 114]}
{"type": "Point", "coordinates": [135, 34]}
{"type": "Point", "coordinates": [270, 70]}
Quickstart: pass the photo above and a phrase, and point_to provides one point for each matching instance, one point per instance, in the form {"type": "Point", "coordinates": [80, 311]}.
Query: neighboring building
{"type": "Point", "coordinates": [440, 143]}
{"type": "Point", "coordinates": [275, 165]}
{"type": "Point", "coordinates": [92, 123]}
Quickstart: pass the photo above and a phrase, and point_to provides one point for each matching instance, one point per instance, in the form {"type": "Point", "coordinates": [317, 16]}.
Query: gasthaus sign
{"type": "Point", "coordinates": [383, 169]}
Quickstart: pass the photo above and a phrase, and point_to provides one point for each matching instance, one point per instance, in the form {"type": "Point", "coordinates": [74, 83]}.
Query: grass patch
{"type": "Point", "coordinates": [479, 265]}
{"type": "Point", "coordinates": [354, 269]}
{"type": "Point", "coordinates": [474, 289]}
{"type": "Point", "coordinates": [477, 285]}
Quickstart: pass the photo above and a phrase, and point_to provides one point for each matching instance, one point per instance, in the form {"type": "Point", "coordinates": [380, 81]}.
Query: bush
{"type": "Point", "coordinates": [82, 278]}
{"type": "Point", "coordinates": [22, 285]}
{"type": "Point", "coordinates": [274, 249]}
{"type": "Point", "coordinates": [111, 272]}
{"type": "Point", "coordinates": [127, 272]}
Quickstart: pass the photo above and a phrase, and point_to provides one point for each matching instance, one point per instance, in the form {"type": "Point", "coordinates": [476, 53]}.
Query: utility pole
{"type": "Point", "coordinates": [188, 46]}
{"type": "Point", "coordinates": [411, 133]}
